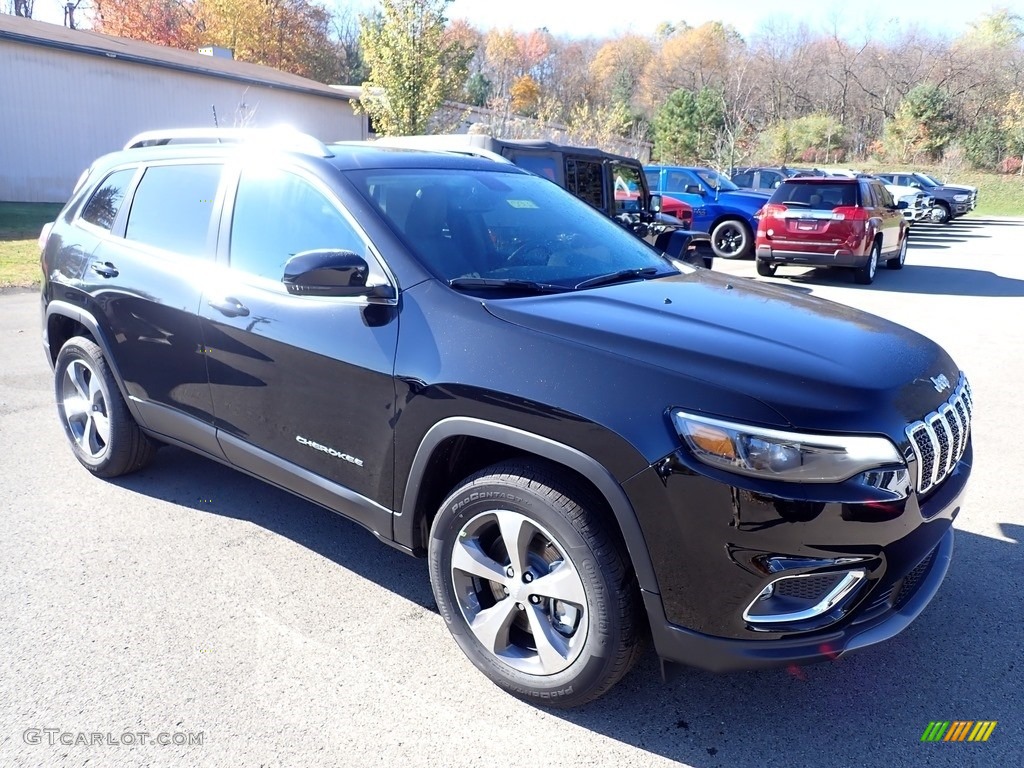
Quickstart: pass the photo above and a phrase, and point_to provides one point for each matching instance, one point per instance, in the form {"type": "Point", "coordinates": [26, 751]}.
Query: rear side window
{"type": "Point", "coordinates": [586, 180]}
{"type": "Point", "coordinates": [102, 208]}
{"type": "Point", "coordinates": [818, 197]}
{"type": "Point", "coordinates": [172, 208]}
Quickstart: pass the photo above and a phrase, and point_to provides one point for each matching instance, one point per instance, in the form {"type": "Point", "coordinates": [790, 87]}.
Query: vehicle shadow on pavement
{"type": "Point", "coordinates": [191, 481]}
{"type": "Point", "coordinates": [923, 279]}
{"type": "Point", "coordinates": [960, 660]}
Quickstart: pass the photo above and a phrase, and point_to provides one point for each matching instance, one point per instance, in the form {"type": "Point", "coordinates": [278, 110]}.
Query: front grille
{"type": "Point", "coordinates": [940, 438]}
{"type": "Point", "coordinates": [910, 582]}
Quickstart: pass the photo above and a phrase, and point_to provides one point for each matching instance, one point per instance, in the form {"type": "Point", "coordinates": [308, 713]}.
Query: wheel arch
{"type": "Point", "coordinates": [63, 321]}
{"type": "Point", "coordinates": [455, 447]}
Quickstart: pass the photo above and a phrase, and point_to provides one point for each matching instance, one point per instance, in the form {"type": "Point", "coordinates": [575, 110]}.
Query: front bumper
{"type": "Point", "coordinates": [707, 538]}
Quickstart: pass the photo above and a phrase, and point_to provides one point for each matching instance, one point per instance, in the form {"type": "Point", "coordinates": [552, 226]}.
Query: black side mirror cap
{"type": "Point", "coordinates": [694, 189]}
{"type": "Point", "coordinates": [328, 272]}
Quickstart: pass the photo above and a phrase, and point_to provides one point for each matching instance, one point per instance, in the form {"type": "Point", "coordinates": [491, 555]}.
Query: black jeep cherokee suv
{"type": "Point", "coordinates": [583, 438]}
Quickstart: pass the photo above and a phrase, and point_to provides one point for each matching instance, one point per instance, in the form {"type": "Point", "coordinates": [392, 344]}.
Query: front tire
{"type": "Point", "coordinates": [941, 214]}
{"type": "Point", "coordinates": [732, 239]}
{"type": "Point", "coordinates": [534, 585]}
{"type": "Point", "coordinates": [103, 435]}
{"type": "Point", "coordinates": [866, 275]}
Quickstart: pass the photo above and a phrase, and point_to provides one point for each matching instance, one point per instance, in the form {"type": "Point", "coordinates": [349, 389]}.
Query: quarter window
{"type": "Point", "coordinates": [172, 208]}
{"type": "Point", "coordinates": [105, 202]}
{"type": "Point", "coordinates": [277, 215]}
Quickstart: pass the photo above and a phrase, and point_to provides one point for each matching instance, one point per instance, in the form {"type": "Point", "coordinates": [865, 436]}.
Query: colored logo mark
{"type": "Point", "coordinates": [959, 730]}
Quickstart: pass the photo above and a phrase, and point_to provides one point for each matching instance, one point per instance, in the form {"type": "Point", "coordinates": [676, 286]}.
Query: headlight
{"type": "Point", "coordinates": [961, 198]}
{"type": "Point", "coordinates": [776, 455]}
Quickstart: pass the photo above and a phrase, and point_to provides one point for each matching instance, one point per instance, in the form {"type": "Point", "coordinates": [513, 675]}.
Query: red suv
{"type": "Point", "coordinates": [832, 222]}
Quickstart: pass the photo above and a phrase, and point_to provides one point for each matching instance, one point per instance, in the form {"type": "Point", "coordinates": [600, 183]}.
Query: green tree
{"type": "Point", "coordinates": [414, 66]}
{"type": "Point", "coordinates": [687, 126]}
{"type": "Point", "coordinates": [478, 89]}
{"type": "Point", "coordinates": [923, 124]}
{"type": "Point", "coordinates": [985, 143]}
{"type": "Point", "coordinates": [1013, 124]}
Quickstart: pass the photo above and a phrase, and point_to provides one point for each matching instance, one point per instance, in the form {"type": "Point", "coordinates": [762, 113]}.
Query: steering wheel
{"type": "Point", "coordinates": [518, 256]}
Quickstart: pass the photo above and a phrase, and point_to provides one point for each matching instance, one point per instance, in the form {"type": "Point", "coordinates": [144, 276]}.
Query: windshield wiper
{"type": "Point", "coordinates": [505, 283]}
{"type": "Point", "coordinates": [616, 277]}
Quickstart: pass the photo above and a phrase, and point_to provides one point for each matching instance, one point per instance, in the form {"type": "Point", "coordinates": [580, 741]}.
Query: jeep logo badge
{"type": "Point", "coordinates": [940, 382]}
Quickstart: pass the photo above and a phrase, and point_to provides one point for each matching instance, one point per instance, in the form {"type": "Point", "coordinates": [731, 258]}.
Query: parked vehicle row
{"type": "Point", "coordinates": [922, 197]}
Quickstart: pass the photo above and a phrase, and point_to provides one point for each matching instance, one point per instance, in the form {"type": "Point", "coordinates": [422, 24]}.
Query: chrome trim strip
{"type": "Point", "coordinates": [845, 586]}
{"type": "Point", "coordinates": [956, 410]}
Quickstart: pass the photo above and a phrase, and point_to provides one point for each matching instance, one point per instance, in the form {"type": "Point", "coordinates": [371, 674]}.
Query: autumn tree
{"type": "Point", "coordinates": [414, 67]}
{"type": "Point", "coordinates": [618, 68]}
{"type": "Point", "coordinates": [291, 35]}
{"type": "Point", "coordinates": [164, 22]}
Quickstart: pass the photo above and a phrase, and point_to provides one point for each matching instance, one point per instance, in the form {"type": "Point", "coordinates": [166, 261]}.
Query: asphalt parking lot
{"type": "Point", "coordinates": [189, 599]}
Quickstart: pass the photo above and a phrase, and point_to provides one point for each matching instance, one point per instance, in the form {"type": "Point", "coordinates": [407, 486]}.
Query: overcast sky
{"type": "Point", "coordinates": [603, 18]}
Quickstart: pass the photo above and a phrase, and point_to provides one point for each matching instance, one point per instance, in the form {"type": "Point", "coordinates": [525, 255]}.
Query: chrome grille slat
{"type": "Point", "coordinates": [939, 439]}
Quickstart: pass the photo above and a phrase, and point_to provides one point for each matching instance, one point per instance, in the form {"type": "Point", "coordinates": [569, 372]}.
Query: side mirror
{"type": "Point", "coordinates": [695, 189]}
{"type": "Point", "coordinates": [655, 204]}
{"type": "Point", "coordinates": [903, 204]}
{"type": "Point", "coordinates": [327, 272]}
{"type": "Point", "coordinates": [915, 185]}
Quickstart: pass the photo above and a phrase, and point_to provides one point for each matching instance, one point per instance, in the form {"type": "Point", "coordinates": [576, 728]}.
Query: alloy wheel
{"type": "Point", "coordinates": [519, 592]}
{"type": "Point", "coordinates": [85, 408]}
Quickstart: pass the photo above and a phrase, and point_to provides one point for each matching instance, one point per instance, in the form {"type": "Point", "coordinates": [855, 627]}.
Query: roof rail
{"type": "Point", "coordinates": [283, 138]}
{"type": "Point", "coordinates": [450, 144]}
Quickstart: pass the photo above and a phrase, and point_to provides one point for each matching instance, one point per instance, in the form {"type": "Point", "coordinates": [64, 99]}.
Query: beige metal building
{"type": "Point", "coordinates": [68, 96]}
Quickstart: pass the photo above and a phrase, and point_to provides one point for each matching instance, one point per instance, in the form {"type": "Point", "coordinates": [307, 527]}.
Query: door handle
{"type": "Point", "coordinates": [104, 269]}
{"type": "Point", "coordinates": [229, 306]}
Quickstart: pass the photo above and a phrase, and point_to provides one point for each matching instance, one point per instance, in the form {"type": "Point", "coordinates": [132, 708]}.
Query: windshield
{"type": "Point", "coordinates": [715, 180]}
{"type": "Point", "coordinates": [927, 180]}
{"type": "Point", "coordinates": [466, 224]}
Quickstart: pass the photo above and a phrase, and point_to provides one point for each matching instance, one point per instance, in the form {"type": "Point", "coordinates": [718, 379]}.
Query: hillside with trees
{"type": "Point", "coordinates": [704, 94]}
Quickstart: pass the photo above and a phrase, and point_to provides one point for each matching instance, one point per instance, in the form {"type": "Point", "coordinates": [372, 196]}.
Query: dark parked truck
{"type": "Point", "coordinates": [589, 442]}
{"type": "Point", "coordinates": [951, 201]}
{"type": "Point", "coordinates": [719, 206]}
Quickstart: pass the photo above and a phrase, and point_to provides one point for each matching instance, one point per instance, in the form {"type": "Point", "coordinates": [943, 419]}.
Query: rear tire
{"type": "Point", "coordinates": [553, 617]}
{"type": "Point", "coordinates": [866, 275]}
{"type": "Point", "coordinates": [103, 435]}
{"type": "Point", "coordinates": [732, 239]}
{"type": "Point", "coordinates": [899, 260]}
{"type": "Point", "coordinates": [766, 268]}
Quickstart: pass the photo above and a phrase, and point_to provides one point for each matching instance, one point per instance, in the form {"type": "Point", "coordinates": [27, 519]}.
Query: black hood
{"type": "Point", "coordinates": [820, 365]}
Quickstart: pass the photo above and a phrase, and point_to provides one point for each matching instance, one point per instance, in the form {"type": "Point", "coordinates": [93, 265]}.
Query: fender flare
{"type": "Point", "coordinates": [559, 453]}
{"type": "Point", "coordinates": [81, 316]}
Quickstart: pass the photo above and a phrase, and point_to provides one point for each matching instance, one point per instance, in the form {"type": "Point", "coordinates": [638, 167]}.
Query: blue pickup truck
{"type": "Point", "coordinates": [719, 206]}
